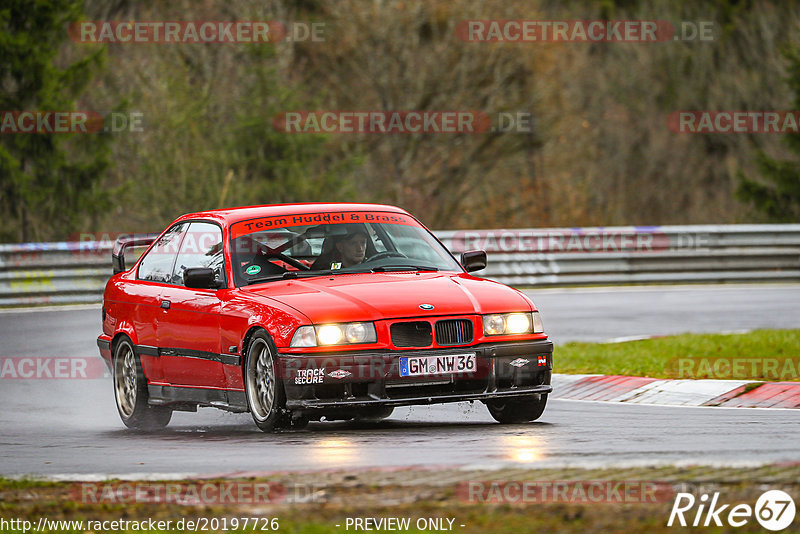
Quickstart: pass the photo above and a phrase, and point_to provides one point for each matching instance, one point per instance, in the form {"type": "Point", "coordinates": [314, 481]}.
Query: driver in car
{"type": "Point", "coordinates": [348, 250]}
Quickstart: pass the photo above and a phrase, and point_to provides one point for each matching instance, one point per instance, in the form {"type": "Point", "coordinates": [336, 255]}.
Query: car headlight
{"type": "Point", "coordinates": [498, 324]}
{"type": "Point", "coordinates": [518, 323]}
{"type": "Point", "coordinates": [334, 334]}
{"type": "Point", "coordinates": [330, 334]}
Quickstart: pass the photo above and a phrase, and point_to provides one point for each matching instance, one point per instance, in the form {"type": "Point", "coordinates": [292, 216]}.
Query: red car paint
{"type": "Point", "coordinates": [217, 321]}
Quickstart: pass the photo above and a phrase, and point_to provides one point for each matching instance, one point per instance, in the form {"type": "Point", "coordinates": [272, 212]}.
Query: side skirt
{"type": "Point", "coordinates": [224, 399]}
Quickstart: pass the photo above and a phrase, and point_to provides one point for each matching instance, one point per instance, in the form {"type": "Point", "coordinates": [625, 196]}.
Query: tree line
{"type": "Point", "coordinates": [595, 148]}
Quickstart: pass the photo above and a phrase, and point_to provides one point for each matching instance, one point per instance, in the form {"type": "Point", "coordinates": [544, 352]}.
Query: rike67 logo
{"type": "Point", "coordinates": [774, 510]}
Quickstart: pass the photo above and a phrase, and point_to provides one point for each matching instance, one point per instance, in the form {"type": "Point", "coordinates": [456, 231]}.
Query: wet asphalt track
{"type": "Point", "coordinates": [71, 426]}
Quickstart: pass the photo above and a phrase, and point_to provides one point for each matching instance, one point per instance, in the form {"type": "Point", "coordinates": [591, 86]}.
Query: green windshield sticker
{"type": "Point", "coordinates": [253, 269]}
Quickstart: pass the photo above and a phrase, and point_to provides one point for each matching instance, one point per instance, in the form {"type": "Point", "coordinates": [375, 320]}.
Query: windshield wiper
{"type": "Point", "coordinates": [288, 275]}
{"type": "Point", "coordinates": [399, 268]}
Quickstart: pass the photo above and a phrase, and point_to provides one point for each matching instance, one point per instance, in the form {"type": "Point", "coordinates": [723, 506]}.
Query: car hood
{"type": "Point", "coordinates": [375, 296]}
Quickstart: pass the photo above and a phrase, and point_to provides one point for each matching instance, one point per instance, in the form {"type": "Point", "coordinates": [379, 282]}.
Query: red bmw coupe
{"type": "Point", "coordinates": [309, 311]}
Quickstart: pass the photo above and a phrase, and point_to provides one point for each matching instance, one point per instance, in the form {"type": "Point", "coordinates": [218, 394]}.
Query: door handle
{"type": "Point", "coordinates": [165, 304]}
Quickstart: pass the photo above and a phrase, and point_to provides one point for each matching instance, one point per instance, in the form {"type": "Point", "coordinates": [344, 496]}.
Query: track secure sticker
{"type": "Point", "coordinates": [253, 269]}
{"type": "Point", "coordinates": [309, 376]}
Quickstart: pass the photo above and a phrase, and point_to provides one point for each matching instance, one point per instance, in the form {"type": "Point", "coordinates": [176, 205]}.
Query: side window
{"type": "Point", "coordinates": [156, 266]}
{"type": "Point", "coordinates": [201, 247]}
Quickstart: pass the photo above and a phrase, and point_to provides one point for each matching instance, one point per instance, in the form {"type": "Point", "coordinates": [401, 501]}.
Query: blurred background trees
{"type": "Point", "coordinates": [49, 184]}
{"type": "Point", "coordinates": [777, 195]}
{"type": "Point", "coordinates": [600, 152]}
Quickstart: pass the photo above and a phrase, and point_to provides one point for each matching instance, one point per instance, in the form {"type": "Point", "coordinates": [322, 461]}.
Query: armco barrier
{"type": "Point", "coordinates": [626, 255]}
{"type": "Point", "coordinates": [53, 273]}
{"type": "Point", "coordinates": [46, 273]}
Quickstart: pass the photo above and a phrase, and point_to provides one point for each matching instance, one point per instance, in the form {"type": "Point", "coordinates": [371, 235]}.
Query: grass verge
{"type": "Point", "coordinates": [763, 355]}
{"type": "Point", "coordinates": [596, 500]}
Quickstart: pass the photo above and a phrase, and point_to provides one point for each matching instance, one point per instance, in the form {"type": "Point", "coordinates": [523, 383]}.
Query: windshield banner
{"type": "Point", "coordinates": [343, 217]}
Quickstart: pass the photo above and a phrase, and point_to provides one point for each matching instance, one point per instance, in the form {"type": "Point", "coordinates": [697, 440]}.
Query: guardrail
{"type": "Point", "coordinates": [48, 273]}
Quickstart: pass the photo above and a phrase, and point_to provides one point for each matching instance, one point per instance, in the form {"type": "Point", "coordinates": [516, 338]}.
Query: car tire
{"type": "Point", "coordinates": [517, 409]}
{"type": "Point", "coordinates": [374, 413]}
{"type": "Point", "coordinates": [266, 398]}
{"type": "Point", "coordinates": [130, 391]}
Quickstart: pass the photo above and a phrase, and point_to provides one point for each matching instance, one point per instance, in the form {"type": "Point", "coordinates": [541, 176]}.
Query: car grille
{"type": "Point", "coordinates": [454, 332]}
{"type": "Point", "coordinates": [413, 334]}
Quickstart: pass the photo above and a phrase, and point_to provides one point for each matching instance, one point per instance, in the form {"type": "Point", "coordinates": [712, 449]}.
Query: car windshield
{"type": "Point", "coordinates": [293, 246]}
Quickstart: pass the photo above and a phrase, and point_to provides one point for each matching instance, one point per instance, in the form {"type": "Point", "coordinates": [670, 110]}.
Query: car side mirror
{"type": "Point", "coordinates": [473, 260]}
{"type": "Point", "coordinates": [200, 278]}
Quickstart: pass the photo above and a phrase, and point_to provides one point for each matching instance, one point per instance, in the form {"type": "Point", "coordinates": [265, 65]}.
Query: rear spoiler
{"type": "Point", "coordinates": [124, 242]}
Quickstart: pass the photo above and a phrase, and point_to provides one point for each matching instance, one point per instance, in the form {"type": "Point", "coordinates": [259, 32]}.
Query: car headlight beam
{"type": "Point", "coordinates": [518, 323]}
{"type": "Point", "coordinates": [334, 334]}
{"type": "Point", "coordinates": [499, 324]}
{"type": "Point", "coordinates": [330, 334]}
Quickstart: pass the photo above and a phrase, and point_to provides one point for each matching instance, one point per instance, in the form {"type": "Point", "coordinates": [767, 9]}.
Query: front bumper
{"type": "Point", "coordinates": [104, 344]}
{"type": "Point", "coordinates": [358, 379]}
{"type": "Point", "coordinates": [316, 404]}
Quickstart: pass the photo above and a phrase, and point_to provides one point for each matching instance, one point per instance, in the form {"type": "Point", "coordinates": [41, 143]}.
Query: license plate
{"type": "Point", "coordinates": [437, 365]}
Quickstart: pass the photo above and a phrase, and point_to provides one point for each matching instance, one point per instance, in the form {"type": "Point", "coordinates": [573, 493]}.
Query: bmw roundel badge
{"type": "Point", "coordinates": [426, 306]}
